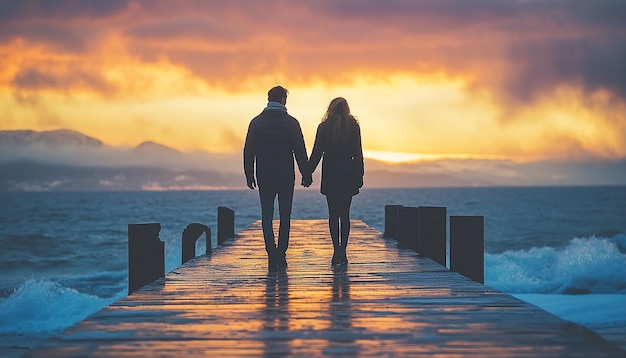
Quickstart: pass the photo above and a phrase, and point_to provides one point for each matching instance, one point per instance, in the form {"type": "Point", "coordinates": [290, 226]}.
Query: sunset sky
{"type": "Point", "coordinates": [521, 80]}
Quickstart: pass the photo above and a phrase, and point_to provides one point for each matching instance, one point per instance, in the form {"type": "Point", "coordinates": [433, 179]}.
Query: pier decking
{"type": "Point", "coordinates": [386, 302]}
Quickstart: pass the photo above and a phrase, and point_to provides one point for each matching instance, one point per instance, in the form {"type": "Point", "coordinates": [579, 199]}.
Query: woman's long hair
{"type": "Point", "coordinates": [342, 125]}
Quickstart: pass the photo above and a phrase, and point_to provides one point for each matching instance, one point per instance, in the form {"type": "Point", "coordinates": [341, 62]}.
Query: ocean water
{"type": "Point", "coordinates": [63, 256]}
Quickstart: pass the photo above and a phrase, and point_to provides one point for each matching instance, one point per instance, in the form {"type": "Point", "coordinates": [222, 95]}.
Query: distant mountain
{"type": "Point", "coordinates": [68, 160]}
{"type": "Point", "coordinates": [388, 179]}
{"type": "Point", "coordinates": [60, 137]}
{"type": "Point", "coordinates": [65, 160]}
{"type": "Point", "coordinates": [70, 148]}
{"type": "Point", "coordinates": [152, 148]}
{"type": "Point", "coordinates": [32, 176]}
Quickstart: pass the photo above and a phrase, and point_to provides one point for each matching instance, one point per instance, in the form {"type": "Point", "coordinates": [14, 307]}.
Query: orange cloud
{"type": "Point", "coordinates": [497, 77]}
{"type": "Point", "coordinates": [229, 44]}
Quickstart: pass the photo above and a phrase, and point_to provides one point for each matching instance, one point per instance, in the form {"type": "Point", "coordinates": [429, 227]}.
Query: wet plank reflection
{"type": "Point", "coordinates": [387, 301]}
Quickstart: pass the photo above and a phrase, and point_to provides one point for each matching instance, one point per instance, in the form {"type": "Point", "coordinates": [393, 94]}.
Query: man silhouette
{"type": "Point", "coordinates": [274, 138]}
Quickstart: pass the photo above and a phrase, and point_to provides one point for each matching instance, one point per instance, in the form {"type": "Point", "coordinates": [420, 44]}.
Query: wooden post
{"type": "Point", "coordinates": [190, 235]}
{"type": "Point", "coordinates": [225, 224]}
{"type": "Point", "coordinates": [146, 255]}
{"type": "Point", "coordinates": [467, 246]}
{"type": "Point", "coordinates": [407, 227]}
{"type": "Point", "coordinates": [431, 232]}
{"type": "Point", "coordinates": [392, 213]}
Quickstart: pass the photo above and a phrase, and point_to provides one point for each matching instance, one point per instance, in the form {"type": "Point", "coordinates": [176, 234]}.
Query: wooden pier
{"type": "Point", "coordinates": [386, 302]}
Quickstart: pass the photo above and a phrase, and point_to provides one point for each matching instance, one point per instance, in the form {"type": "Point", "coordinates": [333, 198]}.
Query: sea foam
{"type": "Point", "coordinates": [43, 307]}
{"type": "Point", "coordinates": [584, 265]}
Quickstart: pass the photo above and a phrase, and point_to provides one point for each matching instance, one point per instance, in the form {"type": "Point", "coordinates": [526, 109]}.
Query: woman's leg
{"type": "Point", "coordinates": [339, 225]}
{"type": "Point", "coordinates": [344, 217]}
{"type": "Point", "coordinates": [333, 224]}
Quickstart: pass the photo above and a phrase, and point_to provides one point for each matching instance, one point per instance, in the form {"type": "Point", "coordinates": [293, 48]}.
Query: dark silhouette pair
{"type": "Point", "coordinates": [274, 138]}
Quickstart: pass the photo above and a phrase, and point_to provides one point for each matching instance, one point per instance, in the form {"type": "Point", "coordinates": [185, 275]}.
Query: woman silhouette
{"type": "Point", "coordinates": [338, 139]}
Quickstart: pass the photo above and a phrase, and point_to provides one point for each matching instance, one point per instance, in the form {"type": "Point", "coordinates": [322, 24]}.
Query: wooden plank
{"type": "Point", "coordinates": [387, 301]}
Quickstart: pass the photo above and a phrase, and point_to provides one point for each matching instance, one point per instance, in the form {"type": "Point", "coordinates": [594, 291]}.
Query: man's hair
{"type": "Point", "coordinates": [276, 94]}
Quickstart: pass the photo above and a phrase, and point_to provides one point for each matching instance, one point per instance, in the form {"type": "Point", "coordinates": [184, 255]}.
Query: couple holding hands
{"type": "Point", "coordinates": [274, 138]}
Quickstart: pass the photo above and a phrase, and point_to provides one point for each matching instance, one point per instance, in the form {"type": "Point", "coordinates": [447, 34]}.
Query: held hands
{"type": "Point", "coordinates": [252, 184]}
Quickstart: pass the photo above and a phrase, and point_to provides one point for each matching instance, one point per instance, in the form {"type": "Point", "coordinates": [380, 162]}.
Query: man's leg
{"type": "Point", "coordinates": [285, 202]}
{"type": "Point", "coordinates": [267, 196]}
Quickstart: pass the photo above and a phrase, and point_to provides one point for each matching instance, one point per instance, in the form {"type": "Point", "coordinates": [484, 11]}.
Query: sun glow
{"type": "Point", "coordinates": [396, 157]}
{"type": "Point", "coordinates": [400, 157]}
